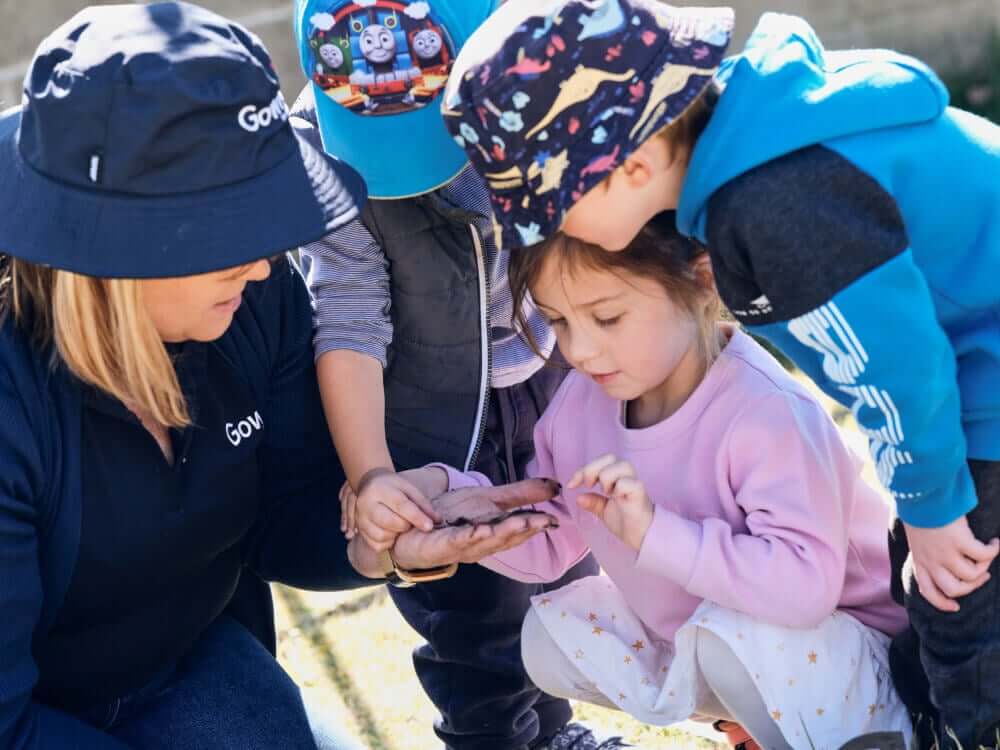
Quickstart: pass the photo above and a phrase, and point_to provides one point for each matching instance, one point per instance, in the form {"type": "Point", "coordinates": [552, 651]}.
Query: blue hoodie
{"type": "Point", "coordinates": [854, 220]}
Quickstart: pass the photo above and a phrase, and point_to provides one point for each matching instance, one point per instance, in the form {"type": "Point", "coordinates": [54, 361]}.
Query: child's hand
{"type": "Point", "coordinates": [949, 562]}
{"type": "Point", "coordinates": [624, 508]}
{"type": "Point", "coordinates": [388, 505]}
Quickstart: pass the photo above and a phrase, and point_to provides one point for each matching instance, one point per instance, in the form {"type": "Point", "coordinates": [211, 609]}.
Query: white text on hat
{"type": "Point", "coordinates": [253, 119]}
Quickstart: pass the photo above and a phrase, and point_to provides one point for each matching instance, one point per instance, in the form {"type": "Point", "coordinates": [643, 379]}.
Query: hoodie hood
{"type": "Point", "coordinates": [785, 92]}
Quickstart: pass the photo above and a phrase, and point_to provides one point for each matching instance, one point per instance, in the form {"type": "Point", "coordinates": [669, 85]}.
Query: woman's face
{"type": "Point", "coordinates": [199, 308]}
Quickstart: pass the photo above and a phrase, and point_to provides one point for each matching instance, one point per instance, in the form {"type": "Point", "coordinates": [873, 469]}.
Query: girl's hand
{"type": "Point", "coordinates": [949, 562]}
{"type": "Point", "coordinates": [390, 504]}
{"type": "Point", "coordinates": [624, 508]}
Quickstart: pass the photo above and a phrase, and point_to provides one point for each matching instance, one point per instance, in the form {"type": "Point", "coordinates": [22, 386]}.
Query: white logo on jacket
{"type": "Point", "coordinates": [253, 118]}
{"type": "Point", "coordinates": [237, 433]}
{"type": "Point", "coordinates": [845, 361]}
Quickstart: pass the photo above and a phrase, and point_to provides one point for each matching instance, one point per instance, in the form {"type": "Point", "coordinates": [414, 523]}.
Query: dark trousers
{"type": "Point", "coordinates": [946, 665]}
{"type": "Point", "coordinates": [228, 693]}
{"type": "Point", "coordinates": [471, 664]}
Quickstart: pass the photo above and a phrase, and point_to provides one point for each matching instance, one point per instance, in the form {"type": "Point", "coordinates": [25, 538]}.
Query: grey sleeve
{"type": "Point", "coordinates": [348, 275]}
{"type": "Point", "coordinates": [796, 231]}
{"type": "Point", "coordinates": [349, 282]}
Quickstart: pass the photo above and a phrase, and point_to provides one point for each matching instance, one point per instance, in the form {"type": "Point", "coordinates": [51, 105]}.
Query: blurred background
{"type": "Point", "coordinates": [351, 652]}
{"type": "Point", "coordinates": [959, 38]}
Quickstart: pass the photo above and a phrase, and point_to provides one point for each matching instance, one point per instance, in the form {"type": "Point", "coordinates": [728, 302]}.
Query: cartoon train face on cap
{"type": "Point", "coordinates": [380, 57]}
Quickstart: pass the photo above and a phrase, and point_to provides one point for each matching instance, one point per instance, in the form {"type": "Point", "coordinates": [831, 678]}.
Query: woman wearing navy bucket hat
{"type": "Point", "coordinates": [416, 353]}
{"type": "Point", "coordinates": [160, 425]}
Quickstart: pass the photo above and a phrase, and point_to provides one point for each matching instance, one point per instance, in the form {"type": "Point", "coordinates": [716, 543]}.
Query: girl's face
{"type": "Point", "coordinates": [199, 308]}
{"type": "Point", "coordinates": [623, 331]}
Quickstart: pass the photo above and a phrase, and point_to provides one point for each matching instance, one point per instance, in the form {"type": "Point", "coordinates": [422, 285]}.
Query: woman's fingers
{"type": "Point", "coordinates": [489, 540]}
{"type": "Point", "coordinates": [587, 476]}
{"type": "Point", "coordinates": [348, 511]}
{"type": "Point", "coordinates": [417, 549]}
{"type": "Point", "coordinates": [343, 513]}
{"type": "Point", "coordinates": [352, 514]}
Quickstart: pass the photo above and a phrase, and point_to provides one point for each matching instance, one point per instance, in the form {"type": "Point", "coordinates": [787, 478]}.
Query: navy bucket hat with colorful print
{"type": "Point", "coordinates": [378, 69]}
{"type": "Point", "coordinates": [548, 98]}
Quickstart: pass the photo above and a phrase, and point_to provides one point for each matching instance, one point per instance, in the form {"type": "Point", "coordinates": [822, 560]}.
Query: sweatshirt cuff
{"type": "Point", "coordinates": [458, 480]}
{"type": "Point", "coordinates": [670, 547]}
{"type": "Point", "coordinates": [374, 349]}
{"type": "Point", "coordinates": [941, 507]}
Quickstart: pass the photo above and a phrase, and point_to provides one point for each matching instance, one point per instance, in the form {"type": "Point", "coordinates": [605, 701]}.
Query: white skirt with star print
{"type": "Point", "coordinates": [822, 686]}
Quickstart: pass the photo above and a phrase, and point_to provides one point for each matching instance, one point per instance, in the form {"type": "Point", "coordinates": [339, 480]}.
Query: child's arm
{"type": "Point", "coordinates": [349, 280]}
{"type": "Point", "coordinates": [796, 481]}
{"type": "Point", "coordinates": [386, 503]}
{"type": "Point", "coordinates": [354, 403]}
{"type": "Point", "coordinates": [835, 285]}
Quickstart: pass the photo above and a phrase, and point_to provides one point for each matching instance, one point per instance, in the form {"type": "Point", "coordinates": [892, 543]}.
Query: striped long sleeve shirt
{"type": "Point", "coordinates": [348, 275]}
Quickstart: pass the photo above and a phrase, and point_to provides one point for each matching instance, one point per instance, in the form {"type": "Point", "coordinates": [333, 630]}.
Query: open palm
{"type": "Point", "coordinates": [482, 526]}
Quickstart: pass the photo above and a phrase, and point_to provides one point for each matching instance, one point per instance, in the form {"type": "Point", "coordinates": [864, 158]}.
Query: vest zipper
{"type": "Point", "coordinates": [486, 375]}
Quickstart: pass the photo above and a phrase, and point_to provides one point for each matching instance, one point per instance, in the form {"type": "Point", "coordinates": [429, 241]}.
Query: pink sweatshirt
{"type": "Point", "coordinates": [760, 506]}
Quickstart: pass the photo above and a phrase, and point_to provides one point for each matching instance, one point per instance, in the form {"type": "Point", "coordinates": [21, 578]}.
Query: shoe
{"type": "Point", "coordinates": [575, 736]}
{"type": "Point", "coordinates": [736, 735]}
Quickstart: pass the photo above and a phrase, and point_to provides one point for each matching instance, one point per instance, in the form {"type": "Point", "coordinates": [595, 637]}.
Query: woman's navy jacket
{"type": "Point", "coordinates": [296, 539]}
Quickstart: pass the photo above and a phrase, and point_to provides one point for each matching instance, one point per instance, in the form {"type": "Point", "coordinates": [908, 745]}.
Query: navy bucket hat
{"type": "Point", "coordinates": [378, 69]}
{"type": "Point", "coordinates": [153, 141]}
{"type": "Point", "coordinates": [551, 96]}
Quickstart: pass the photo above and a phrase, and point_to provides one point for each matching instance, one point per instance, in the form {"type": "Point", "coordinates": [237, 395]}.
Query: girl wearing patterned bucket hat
{"type": "Point", "coordinates": [162, 441]}
{"type": "Point", "coordinates": [414, 347]}
{"type": "Point", "coordinates": [852, 219]}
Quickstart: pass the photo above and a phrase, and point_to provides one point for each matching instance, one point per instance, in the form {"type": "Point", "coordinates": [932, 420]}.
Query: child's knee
{"type": "Point", "coordinates": [545, 663]}
{"type": "Point", "coordinates": [716, 661]}
{"type": "Point", "coordinates": [536, 649]}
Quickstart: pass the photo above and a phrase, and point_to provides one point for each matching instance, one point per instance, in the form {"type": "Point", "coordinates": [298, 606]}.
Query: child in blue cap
{"type": "Point", "coordinates": [851, 218]}
{"type": "Point", "coordinates": [416, 355]}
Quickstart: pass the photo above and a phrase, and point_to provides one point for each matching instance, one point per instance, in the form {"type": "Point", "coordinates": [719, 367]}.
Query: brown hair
{"type": "Point", "coordinates": [101, 331]}
{"type": "Point", "coordinates": [656, 253]}
{"type": "Point", "coordinates": [683, 133]}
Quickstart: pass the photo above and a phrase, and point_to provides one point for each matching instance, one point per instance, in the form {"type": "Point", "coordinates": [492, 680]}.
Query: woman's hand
{"type": "Point", "coordinates": [415, 550]}
{"type": "Point", "coordinates": [949, 562]}
{"type": "Point", "coordinates": [389, 504]}
{"type": "Point", "coordinates": [624, 508]}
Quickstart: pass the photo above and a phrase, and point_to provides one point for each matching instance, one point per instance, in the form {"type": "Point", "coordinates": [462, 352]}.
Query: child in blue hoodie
{"type": "Point", "coordinates": [852, 217]}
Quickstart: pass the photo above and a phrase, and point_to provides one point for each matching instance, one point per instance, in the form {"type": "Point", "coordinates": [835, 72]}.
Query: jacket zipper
{"type": "Point", "coordinates": [486, 376]}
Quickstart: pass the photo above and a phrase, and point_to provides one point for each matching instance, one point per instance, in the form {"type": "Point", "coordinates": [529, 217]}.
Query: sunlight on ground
{"type": "Point", "coordinates": [351, 654]}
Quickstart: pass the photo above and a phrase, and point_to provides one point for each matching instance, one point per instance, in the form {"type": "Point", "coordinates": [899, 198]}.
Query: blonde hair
{"type": "Point", "coordinates": [101, 331]}
{"type": "Point", "coordinates": [664, 256]}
